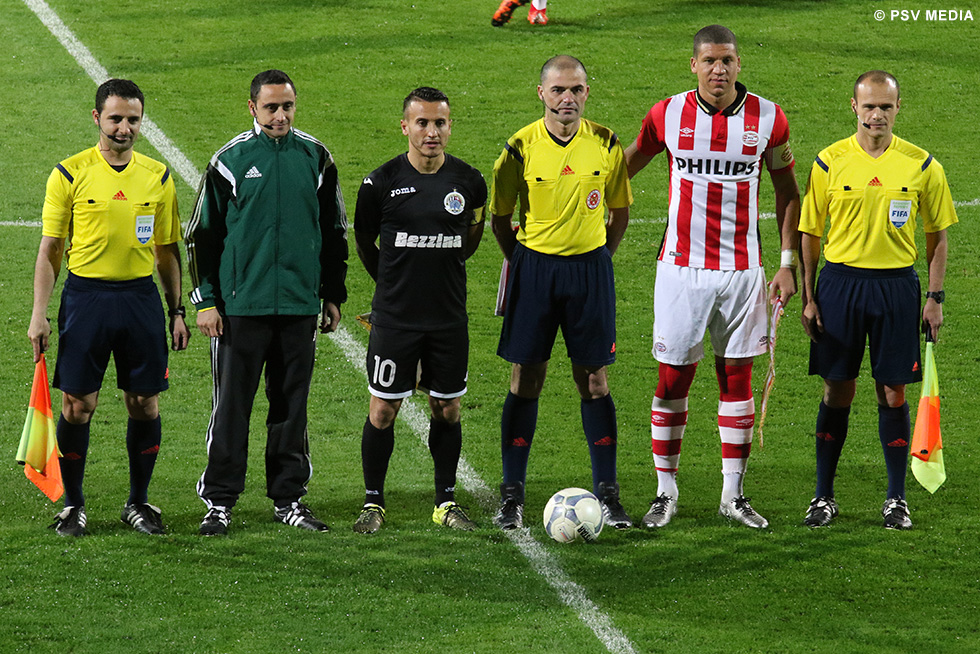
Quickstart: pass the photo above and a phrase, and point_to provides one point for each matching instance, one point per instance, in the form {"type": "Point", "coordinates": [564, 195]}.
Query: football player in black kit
{"type": "Point", "coordinates": [418, 218]}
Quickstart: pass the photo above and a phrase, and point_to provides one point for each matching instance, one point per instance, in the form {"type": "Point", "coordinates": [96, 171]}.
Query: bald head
{"type": "Point", "coordinates": [877, 77]}
{"type": "Point", "coordinates": [561, 63]}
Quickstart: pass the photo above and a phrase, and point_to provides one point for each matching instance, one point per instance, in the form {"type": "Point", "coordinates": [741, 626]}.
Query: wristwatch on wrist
{"type": "Point", "coordinates": [179, 311]}
{"type": "Point", "coordinates": [938, 296]}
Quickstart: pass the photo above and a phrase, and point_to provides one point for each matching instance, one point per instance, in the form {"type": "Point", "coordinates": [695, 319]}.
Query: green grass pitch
{"type": "Point", "coordinates": [699, 586]}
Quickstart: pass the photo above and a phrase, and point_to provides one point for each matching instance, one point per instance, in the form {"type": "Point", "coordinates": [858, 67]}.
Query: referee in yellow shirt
{"type": "Point", "coordinates": [872, 187]}
{"type": "Point", "coordinates": [561, 172]}
{"type": "Point", "coordinates": [118, 210]}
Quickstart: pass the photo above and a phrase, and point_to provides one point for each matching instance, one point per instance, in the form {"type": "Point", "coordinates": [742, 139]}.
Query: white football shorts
{"type": "Point", "coordinates": [730, 304]}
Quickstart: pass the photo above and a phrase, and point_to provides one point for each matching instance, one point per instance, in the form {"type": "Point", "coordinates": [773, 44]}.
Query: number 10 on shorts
{"type": "Point", "coordinates": [384, 372]}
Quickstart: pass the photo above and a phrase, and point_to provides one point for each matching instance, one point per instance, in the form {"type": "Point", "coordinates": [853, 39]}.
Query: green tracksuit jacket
{"type": "Point", "coordinates": [269, 231]}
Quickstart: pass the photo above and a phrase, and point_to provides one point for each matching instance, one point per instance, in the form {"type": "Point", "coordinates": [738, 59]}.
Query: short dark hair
{"type": "Point", "coordinates": [876, 77]}
{"type": "Point", "coordinates": [715, 34]}
{"type": "Point", "coordinates": [121, 88]}
{"type": "Point", "coordinates": [562, 62]}
{"type": "Point", "coordinates": [424, 94]}
{"type": "Point", "coordinates": [272, 76]}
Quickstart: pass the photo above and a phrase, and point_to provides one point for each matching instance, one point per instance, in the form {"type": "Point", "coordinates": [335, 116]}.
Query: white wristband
{"type": "Point", "coordinates": [787, 259]}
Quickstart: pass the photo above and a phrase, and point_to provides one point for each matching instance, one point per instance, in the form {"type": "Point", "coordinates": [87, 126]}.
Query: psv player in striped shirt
{"type": "Point", "coordinates": [718, 138]}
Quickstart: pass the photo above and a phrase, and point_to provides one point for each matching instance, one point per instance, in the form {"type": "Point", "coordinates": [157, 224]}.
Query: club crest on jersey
{"type": "Point", "coordinates": [750, 139]}
{"type": "Point", "coordinates": [454, 202]}
{"type": "Point", "coordinates": [144, 229]}
{"type": "Point", "coordinates": [899, 212]}
{"type": "Point", "coordinates": [593, 199]}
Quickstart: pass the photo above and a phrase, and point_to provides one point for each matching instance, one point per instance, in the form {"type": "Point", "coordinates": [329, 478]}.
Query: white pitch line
{"type": "Point", "coordinates": [768, 215]}
{"type": "Point", "coordinates": [541, 560]}
{"type": "Point", "coordinates": [99, 74]}
{"type": "Point", "coordinates": [191, 180]}
{"type": "Point", "coordinates": [20, 223]}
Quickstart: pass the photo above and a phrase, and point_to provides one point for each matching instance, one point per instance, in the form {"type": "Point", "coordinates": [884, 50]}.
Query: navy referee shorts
{"type": "Point", "coordinates": [98, 318]}
{"type": "Point", "coordinates": [546, 293]}
{"type": "Point", "coordinates": [873, 309]}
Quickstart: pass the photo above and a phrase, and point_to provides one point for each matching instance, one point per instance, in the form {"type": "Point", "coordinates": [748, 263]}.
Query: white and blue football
{"type": "Point", "coordinates": [573, 514]}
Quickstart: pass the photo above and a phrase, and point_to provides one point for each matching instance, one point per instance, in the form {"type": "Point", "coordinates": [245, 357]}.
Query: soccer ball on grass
{"type": "Point", "coordinates": [573, 514]}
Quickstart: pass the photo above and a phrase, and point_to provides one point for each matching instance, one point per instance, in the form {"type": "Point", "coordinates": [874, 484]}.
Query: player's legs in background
{"type": "Point", "coordinates": [538, 13]}
{"type": "Point", "coordinates": [505, 11]}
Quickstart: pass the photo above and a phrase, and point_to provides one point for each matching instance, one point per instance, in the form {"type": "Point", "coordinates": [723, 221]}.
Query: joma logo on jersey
{"type": "Point", "coordinates": [441, 241]}
{"type": "Point", "coordinates": [714, 167]}
{"type": "Point", "coordinates": [402, 191]}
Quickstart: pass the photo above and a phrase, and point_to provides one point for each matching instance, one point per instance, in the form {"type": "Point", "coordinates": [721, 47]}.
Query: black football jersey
{"type": "Point", "coordinates": [422, 223]}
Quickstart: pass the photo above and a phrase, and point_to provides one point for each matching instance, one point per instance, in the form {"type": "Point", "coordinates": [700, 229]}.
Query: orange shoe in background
{"type": "Point", "coordinates": [505, 11]}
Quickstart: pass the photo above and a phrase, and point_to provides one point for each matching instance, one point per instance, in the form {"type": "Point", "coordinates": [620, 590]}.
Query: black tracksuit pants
{"type": "Point", "coordinates": [285, 345]}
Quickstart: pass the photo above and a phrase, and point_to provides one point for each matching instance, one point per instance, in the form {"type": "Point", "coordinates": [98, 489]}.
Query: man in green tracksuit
{"type": "Point", "coordinates": [267, 244]}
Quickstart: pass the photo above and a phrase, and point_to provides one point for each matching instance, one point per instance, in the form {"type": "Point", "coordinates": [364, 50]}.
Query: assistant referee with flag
{"type": "Point", "coordinates": [118, 211]}
{"type": "Point", "coordinates": [872, 187]}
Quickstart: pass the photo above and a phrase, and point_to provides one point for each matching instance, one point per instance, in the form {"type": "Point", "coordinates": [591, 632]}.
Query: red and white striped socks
{"type": "Point", "coordinates": [736, 422]}
{"type": "Point", "coordinates": [668, 418]}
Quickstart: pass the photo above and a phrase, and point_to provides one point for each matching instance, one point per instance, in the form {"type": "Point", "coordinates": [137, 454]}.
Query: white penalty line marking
{"type": "Point", "coordinates": [541, 560]}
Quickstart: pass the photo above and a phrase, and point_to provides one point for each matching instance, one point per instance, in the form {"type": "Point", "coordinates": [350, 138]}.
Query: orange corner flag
{"type": "Point", "coordinates": [927, 441]}
{"type": "Point", "coordinates": [38, 449]}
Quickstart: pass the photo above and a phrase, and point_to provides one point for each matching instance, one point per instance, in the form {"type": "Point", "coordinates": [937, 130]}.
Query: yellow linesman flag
{"type": "Point", "coordinates": [927, 441]}
{"type": "Point", "coordinates": [38, 449]}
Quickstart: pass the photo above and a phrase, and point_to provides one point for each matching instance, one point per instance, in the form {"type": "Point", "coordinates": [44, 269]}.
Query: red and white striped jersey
{"type": "Point", "coordinates": [715, 163]}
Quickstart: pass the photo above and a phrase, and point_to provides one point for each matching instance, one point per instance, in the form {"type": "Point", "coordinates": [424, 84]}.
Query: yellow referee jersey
{"type": "Point", "coordinates": [563, 190]}
{"type": "Point", "coordinates": [873, 203]}
{"type": "Point", "coordinates": [113, 219]}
